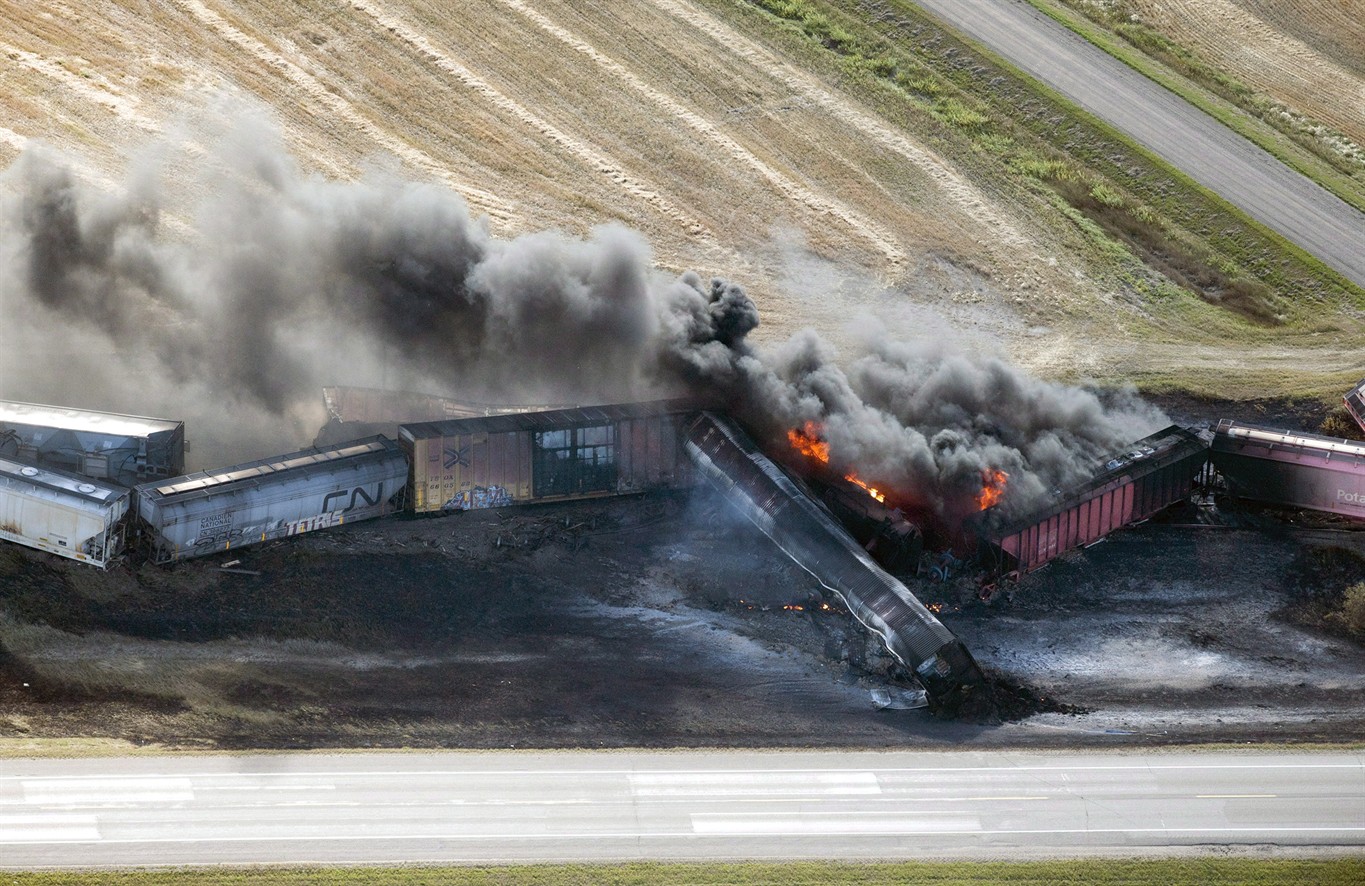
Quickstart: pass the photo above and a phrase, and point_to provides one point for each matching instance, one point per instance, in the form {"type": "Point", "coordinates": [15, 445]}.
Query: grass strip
{"type": "Point", "coordinates": [1159, 232]}
{"type": "Point", "coordinates": [1228, 101]}
{"type": "Point", "coordinates": [1173, 871]}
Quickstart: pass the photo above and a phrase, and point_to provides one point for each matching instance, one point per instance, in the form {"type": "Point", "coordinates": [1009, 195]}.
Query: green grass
{"type": "Point", "coordinates": [1173, 871]}
{"type": "Point", "coordinates": [1293, 139]}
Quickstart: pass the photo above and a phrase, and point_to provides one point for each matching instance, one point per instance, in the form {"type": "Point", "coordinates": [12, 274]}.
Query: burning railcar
{"type": "Point", "coordinates": [64, 514]}
{"type": "Point", "coordinates": [559, 455]}
{"type": "Point", "coordinates": [1298, 470]}
{"type": "Point", "coordinates": [125, 449]}
{"type": "Point", "coordinates": [271, 498]}
{"type": "Point", "coordinates": [1148, 476]}
{"type": "Point", "coordinates": [730, 461]}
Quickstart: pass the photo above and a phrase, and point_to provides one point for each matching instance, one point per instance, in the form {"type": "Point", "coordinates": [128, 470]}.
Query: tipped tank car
{"type": "Point", "coordinates": [729, 460]}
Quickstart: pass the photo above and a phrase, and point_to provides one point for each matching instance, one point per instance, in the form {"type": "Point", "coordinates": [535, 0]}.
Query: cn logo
{"type": "Point", "coordinates": [357, 494]}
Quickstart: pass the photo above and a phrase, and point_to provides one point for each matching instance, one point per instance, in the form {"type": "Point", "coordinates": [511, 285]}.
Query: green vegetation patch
{"type": "Point", "coordinates": [1176, 872]}
{"type": "Point", "coordinates": [1156, 231]}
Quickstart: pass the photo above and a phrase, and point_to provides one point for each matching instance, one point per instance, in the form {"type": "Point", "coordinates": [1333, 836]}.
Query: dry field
{"type": "Point", "coordinates": [694, 121]}
{"type": "Point", "coordinates": [1307, 54]}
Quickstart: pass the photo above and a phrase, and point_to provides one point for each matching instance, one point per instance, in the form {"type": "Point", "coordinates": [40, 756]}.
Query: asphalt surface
{"type": "Point", "coordinates": [508, 806]}
{"type": "Point", "coordinates": [1206, 150]}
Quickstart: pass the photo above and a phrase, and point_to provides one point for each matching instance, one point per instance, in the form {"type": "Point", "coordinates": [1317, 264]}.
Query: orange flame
{"type": "Point", "coordinates": [853, 478]}
{"type": "Point", "coordinates": [992, 488]}
{"type": "Point", "coordinates": [807, 441]}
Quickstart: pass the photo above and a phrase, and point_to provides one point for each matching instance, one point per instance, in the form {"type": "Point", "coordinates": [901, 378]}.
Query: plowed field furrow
{"type": "Point", "coordinates": [883, 240]}
{"type": "Point", "coordinates": [1335, 28]}
{"type": "Point", "coordinates": [332, 103]}
{"type": "Point", "coordinates": [1268, 59]}
{"type": "Point", "coordinates": [633, 185]}
{"type": "Point", "coordinates": [967, 197]}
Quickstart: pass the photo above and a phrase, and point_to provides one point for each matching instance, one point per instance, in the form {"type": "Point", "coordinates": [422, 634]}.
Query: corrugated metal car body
{"type": "Point", "coordinates": [1294, 469]}
{"type": "Point", "coordinates": [1355, 403]}
{"type": "Point", "coordinates": [728, 459]}
{"type": "Point", "coordinates": [557, 455]}
{"type": "Point", "coordinates": [272, 498]}
{"type": "Point", "coordinates": [1153, 473]}
{"type": "Point", "coordinates": [64, 514]}
{"type": "Point", "coordinates": [126, 449]}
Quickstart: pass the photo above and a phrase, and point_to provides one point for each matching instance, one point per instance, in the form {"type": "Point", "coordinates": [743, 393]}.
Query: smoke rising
{"type": "Point", "coordinates": [291, 282]}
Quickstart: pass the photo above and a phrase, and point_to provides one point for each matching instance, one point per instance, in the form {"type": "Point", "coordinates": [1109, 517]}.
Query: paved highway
{"type": "Point", "coordinates": [1157, 118]}
{"type": "Point", "coordinates": [456, 807]}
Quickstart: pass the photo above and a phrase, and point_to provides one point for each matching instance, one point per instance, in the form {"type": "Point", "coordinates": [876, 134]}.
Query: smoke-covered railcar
{"type": "Point", "coordinates": [730, 461]}
{"type": "Point", "coordinates": [126, 449]}
{"type": "Point", "coordinates": [558, 455]}
{"type": "Point", "coordinates": [1355, 403]}
{"type": "Point", "coordinates": [271, 498]}
{"type": "Point", "coordinates": [1296, 470]}
{"type": "Point", "coordinates": [61, 513]}
{"type": "Point", "coordinates": [1148, 476]}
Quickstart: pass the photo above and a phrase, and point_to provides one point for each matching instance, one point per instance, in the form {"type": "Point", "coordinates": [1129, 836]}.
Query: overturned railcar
{"type": "Point", "coordinates": [1295, 470]}
{"type": "Point", "coordinates": [728, 459]}
{"type": "Point", "coordinates": [1355, 403]}
{"type": "Point", "coordinates": [64, 514]}
{"type": "Point", "coordinates": [271, 498]}
{"type": "Point", "coordinates": [126, 449]}
{"type": "Point", "coordinates": [559, 455]}
{"type": "Point", "coordinates": [1148, 476]}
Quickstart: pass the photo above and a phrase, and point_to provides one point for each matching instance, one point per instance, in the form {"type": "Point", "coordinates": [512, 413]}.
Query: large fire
{"type": "Point", "coordinates": [992, 488]}
{"type": "Point", "coordinates": [808, 441]}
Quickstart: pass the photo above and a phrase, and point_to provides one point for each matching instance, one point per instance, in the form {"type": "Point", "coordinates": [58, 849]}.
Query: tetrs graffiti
{"type": "Point", "coordinates": [478, 498]}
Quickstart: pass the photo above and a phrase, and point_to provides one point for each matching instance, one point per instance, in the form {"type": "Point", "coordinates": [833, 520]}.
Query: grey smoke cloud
{"type": "Point", "coordinates": [291, 282]}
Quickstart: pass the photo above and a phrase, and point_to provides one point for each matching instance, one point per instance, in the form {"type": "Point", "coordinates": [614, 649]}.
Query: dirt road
{"type": "Point", "coordinates": [1203, 148]}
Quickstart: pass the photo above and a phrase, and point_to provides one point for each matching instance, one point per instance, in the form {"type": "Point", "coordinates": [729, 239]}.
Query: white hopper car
{"type": "Point", "coordinates": [63, 514]}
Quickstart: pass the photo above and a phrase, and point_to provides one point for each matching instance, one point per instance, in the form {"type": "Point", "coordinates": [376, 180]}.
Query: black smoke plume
{"type": "Point", "coordinates": [289, 282]}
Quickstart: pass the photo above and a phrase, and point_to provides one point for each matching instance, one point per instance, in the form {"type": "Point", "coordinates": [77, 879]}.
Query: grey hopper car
{"type": "Point", "coordinates": [126, 449]}
{"type": "Point", "coordinates": [730, 461]}
{"type": "Point", "coordinates": [63, 514]}
{"type": "Point", "coordinates": [1294, 469]}
{"type": "Point", "coordinates": [272, 498]}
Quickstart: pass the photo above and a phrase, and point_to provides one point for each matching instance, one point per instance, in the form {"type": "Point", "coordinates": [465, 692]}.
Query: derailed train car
{"type": "Point", "coordinates": [730, 461]}
{"type": "Point", "coordinates": [1148, 476]}
{"type": "Point", "coordinates": [559, 455]}
{"type": "Point", "coordinates": [1355, 403]}
{"type": "Point", "coordinates": [64, 514]}
{"type": "Point", "coordinates": [127, 449]}
{"type": "Point", "coordinates": [1298, 470]}
{"type": "Point", "coordinates": [271, 498]}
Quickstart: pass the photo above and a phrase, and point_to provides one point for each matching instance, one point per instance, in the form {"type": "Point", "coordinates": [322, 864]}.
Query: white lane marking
{"type": "Point", "coordinates": [639, 835]}
{"type": "Point", "coordinates": [1232, 796]}
{"type": "Point", "coordinates": [48, 828]}
{"type": "Point", "coordinates": [493, 773]}
{"type": "Point", "coordinates": [269, 787]}
{"type": "Point", "coordinates": [711, 784]}
{"type": "Point", "coordinates": [430, 773]}
{"type": "Point", "coordinates": [868, 824]}
{"type": "Point", "coordinates": [110, 790]}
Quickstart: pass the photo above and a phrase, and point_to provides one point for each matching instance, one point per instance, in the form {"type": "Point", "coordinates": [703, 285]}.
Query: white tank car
{"type": "Point", "coordinates": [61, 513]}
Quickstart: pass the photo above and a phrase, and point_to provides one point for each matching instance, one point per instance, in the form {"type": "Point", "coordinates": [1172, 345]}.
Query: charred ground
{"type": "Point", "coordinates": [667, 621]}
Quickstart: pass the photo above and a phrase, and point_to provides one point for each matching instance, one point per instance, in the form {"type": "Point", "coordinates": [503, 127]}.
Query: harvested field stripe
{"type": "Point", "coordinates": [578, 149]}
{"type": "Point", "coordinates": [999, 231]}
{"type": "Point", "coordinates": [884, 240]}
{"type": "Point", "coordinates": [121, 106]}
{"type": "Point", "coordinates": [483, 200]}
